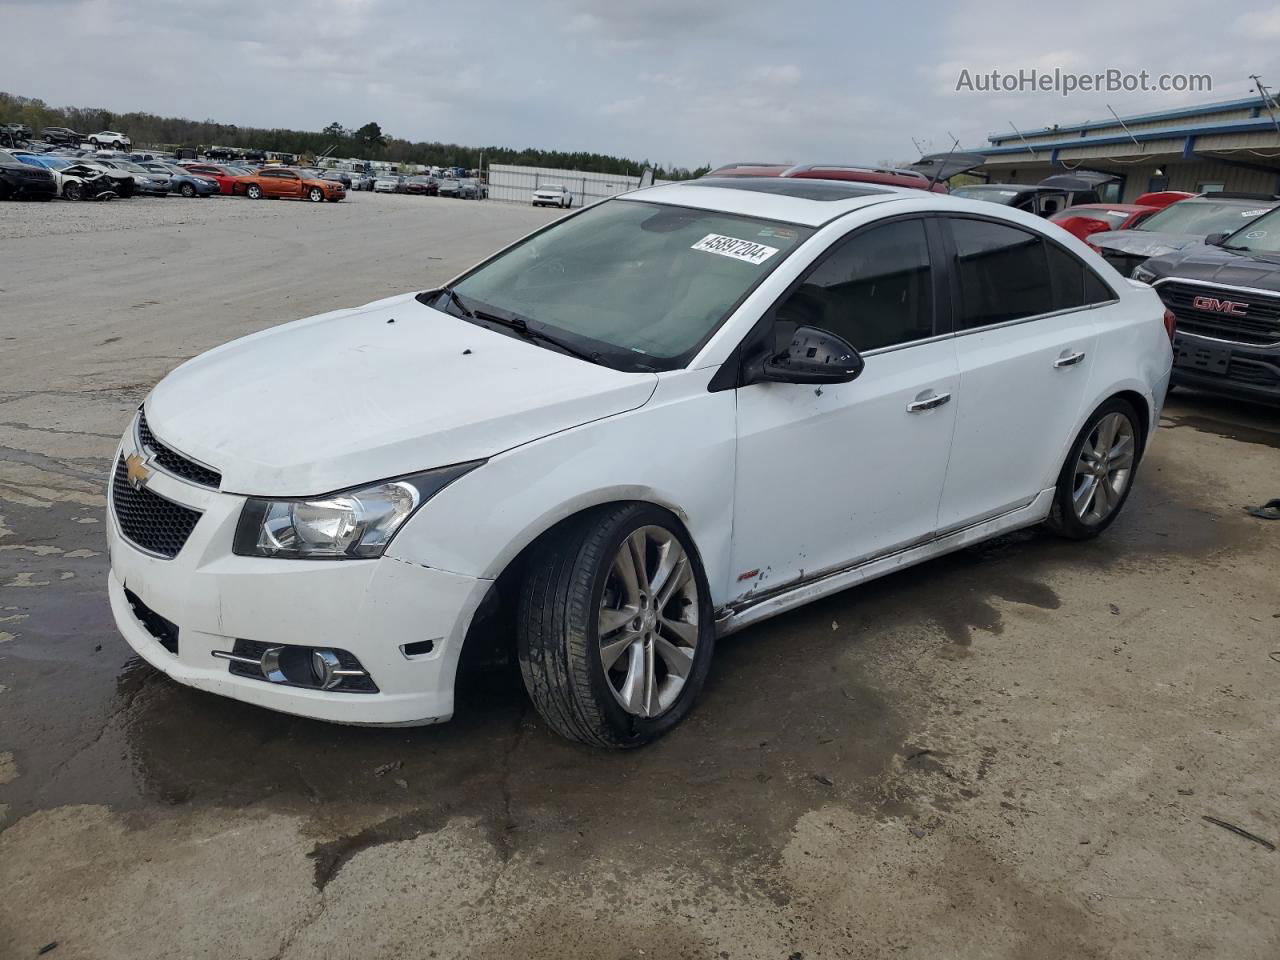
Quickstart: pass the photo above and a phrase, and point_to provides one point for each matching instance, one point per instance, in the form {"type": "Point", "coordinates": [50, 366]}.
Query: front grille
{"type": "Point", "coordinates": [174, 462]}
{"type": "Point", "coordinates": [1254, 373]}
{"type": "Point", "coordinates": [166, 631]}
{"type": "Point", "coordinates": [1259, 325]}
{"type": "Point", "coordinates": [148, 520]}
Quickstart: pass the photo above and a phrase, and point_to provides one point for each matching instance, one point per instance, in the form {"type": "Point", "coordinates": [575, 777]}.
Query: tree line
{"type": "Point", "coordinates": [367, 142]}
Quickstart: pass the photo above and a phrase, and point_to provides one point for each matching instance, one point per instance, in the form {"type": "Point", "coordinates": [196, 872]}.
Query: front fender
{"type": "Point", "coordinates": [677, 451]}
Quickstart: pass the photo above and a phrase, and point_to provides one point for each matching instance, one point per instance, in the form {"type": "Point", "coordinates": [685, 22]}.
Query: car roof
{"type": "Point", "coordinates": [805, 202]}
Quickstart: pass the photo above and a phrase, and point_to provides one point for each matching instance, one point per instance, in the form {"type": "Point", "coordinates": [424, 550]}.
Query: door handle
{"type": "Point", "coordinates": [928, 403]}
{"type": "Point", "coordinates": [1068, 359]}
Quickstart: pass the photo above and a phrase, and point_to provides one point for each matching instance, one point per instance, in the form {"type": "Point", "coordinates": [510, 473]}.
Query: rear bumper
{"type": "Point", "coordinates": [1236, 370]}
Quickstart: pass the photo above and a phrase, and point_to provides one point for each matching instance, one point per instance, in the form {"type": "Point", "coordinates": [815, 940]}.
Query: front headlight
{"type": "Point", "coordinates": [349, 525]}
{"type": "Point", "coordinates": [1142, 274]}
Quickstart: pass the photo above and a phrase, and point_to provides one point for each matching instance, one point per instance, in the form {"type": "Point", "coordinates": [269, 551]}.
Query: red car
{"type": "Point", "coordinates": [224, 175]}
{"type": "Point", "coordinates": [885, 176]}
{"type": "Point", "coordinates": [1084, 219]}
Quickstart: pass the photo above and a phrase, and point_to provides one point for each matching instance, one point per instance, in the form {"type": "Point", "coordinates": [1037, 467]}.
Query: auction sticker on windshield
{"type": "Point", "coordinates": [756, 253]}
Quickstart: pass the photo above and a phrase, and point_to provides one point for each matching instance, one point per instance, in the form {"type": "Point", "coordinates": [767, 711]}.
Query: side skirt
{"type": "Point", "coordinates": [753, 610]}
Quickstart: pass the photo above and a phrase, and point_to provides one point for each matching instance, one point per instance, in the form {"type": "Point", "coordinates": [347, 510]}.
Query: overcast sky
{"type": "Point", "coordinates": [677, 81]}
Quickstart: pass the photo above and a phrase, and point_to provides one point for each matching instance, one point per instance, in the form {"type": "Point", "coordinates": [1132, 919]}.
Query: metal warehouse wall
{"type": "Point", "coordinates": [518, 183]}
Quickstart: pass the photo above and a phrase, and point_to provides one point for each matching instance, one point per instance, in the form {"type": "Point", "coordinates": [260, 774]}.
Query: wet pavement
{"type": "Point", "coordinates": [928, 765]}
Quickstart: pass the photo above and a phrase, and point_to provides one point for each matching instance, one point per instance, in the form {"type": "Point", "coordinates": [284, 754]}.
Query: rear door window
{"type": "Point", "coordinates": [1003, 273]}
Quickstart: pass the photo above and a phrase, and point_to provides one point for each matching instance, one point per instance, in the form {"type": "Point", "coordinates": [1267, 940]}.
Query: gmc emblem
{"type": "Point", "coordinates": [1214, 305]}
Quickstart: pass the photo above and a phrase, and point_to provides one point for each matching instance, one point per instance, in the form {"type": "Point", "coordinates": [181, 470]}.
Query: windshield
{"type": "Point", "coordinates": [1202, 217]}
{"type": "Point", "coordinates": [131, 167]}
{"type": "Point", "coordinates": [634, 280]}
{"type": "Point", "coordinates": [1260, 236]}
{"type": "Point", "coordinates": [994, 194]}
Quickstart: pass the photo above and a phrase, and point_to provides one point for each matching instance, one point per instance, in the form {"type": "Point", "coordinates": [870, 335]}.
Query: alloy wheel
{"type": "Point", "coordinates": [648, 622]}
{"type": "Point", "coordinates": [1104, 468]}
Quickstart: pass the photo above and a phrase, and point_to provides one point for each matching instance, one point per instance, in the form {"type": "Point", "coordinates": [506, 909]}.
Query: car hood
{"type": "Point", "coordinates": [1143, 243]}
{"type": "Point", "coordinates": [350, 397]}
{"type": "Point", "coordinates": [1215, 265]}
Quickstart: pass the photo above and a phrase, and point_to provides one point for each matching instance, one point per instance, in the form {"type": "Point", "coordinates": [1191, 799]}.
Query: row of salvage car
{"type": "Point", "coordinates": [85, 175]}
{"type": "Point", "coordinates": [1214, 258]}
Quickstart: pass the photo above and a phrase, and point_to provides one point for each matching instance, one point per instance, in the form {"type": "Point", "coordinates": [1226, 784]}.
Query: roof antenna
{"type": "Point", "coordinates": [1125, 128]}
{"type": "Point", "coordinates": [1266, 99]}
{"type": "Point", "coordinates": [1024, 140]}
{"type": "Point", "coordinates": [942, 166]}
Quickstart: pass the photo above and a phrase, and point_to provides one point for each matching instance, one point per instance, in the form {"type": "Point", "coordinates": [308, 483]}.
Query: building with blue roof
{"type": "Point", "coordinates": [1229, 145]}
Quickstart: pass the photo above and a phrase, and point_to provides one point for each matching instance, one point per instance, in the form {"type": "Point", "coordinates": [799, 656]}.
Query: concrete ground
{"type": "Point", "coordinates": [1007, 753]}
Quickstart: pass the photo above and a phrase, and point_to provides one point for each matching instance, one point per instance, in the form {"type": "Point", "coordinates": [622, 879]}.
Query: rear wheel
{"type": "Point", "coordinates": [315, 195]}
{"type": "Point", "coordinates": [187, 190]}
{"type": "Point", "coordinates": [253, 192]}
{"type": "Point", "coordinates": [615, 631]}
{"type": "Point", "coordinates": [1098, 475]}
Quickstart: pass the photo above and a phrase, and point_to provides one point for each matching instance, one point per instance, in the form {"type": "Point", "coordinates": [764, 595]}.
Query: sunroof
{"type": "Point", "coordinates": [791, 187]}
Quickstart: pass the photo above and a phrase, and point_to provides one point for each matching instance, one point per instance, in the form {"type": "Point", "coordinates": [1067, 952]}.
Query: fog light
{"type": "Point", "coordinates": [316, 668]}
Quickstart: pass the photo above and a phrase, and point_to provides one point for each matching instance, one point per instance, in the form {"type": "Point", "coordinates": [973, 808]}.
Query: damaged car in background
{"type": "Point", "coordinates": [1182, 224]}
{"type": "Point", "coordinates": [654, 422]}
{"type": "Point", "coordinates": [1225, 294]}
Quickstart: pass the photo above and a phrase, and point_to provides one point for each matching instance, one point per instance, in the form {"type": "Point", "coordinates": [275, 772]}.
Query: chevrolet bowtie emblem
{"type": "Point", "coordinates": [138, 474]}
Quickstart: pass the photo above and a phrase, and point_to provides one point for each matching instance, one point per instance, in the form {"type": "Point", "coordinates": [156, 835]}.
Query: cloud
{"type": "Point", "coordinates": [671, 80]}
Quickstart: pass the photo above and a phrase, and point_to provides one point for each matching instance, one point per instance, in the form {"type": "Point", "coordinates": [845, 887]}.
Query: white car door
{"type": "Point", "coordinates": [1026, 334]}
{"type": "Point", "coordinates": [830, 475]}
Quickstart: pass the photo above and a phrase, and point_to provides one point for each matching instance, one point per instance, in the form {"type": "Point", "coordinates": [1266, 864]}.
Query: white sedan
{"type": "Point", "coordinates": [552, 195]}
{"type": "Point", "coordinates": [657, 421]}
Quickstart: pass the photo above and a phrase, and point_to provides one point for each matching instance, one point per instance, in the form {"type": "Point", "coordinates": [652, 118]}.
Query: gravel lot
{"type": "Point", "coordinates": [1006, 753]}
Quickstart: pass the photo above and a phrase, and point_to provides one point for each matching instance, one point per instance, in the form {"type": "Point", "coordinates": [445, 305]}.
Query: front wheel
{"type": "Point", "coordinates": [1098, 475]}
{"type": "Point", "coordinates": [73, 191]}
{"type": "Point", "coordinates": [315, 195]}
{"type": "Point", "coordinates": [615, 630]}
{"type": "Point", "coordinates": [253, 192]}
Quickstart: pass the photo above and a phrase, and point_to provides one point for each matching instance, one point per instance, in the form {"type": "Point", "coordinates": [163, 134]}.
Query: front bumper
{"type": "Point", "coordinates": [1238, 370]}
{"type": "Point", "coordinates": [371, 608]}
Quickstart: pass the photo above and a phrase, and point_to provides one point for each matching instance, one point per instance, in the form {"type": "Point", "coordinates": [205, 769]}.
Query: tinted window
{"type": "Point", "coordinates": [1003, 272]}
{"type": "Point", "coordinates": [1074, 284]}
{"type": "Point", "coordinates": [875, 289]}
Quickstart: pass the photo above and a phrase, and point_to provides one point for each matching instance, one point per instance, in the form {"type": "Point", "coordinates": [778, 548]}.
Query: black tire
{"type": "Point", "coordinates": [187, 190]}
{"type": "Point", "coordinates": [253, 192]}
{"type": "Point", "coordinates": [315, 195]}
{"type": "Point", "coordinates": [557, 629]}
{"type": "Point", "coordinates": [1062, 517]}
{"type": "Point", "coordinates": [73, 191]}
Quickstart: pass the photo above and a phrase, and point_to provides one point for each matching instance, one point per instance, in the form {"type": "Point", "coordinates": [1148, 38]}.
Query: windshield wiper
{"type": "Point", "coordinates": [456, 300]}
{"type": "Point", "coordinates": [521, 326]}
{"type": "Point", "coordinates": [1232, 246]}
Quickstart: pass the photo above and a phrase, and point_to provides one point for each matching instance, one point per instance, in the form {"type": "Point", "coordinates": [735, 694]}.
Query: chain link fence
{"type": "Point", "coordinates": [516, 184]}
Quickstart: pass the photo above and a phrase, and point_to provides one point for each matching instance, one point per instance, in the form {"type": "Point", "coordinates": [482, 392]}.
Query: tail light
{"type": "Point", "coordinates": [1170, 324]}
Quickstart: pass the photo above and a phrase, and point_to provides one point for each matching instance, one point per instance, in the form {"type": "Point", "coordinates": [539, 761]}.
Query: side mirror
{"type": "Point", "coordinates": [1216, 239]}
{"type": "Point", "coordinates": [812, 356]}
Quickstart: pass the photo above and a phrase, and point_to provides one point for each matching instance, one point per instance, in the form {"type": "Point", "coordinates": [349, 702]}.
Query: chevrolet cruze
{"type": "Point", "coordinates": [641, 428]}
